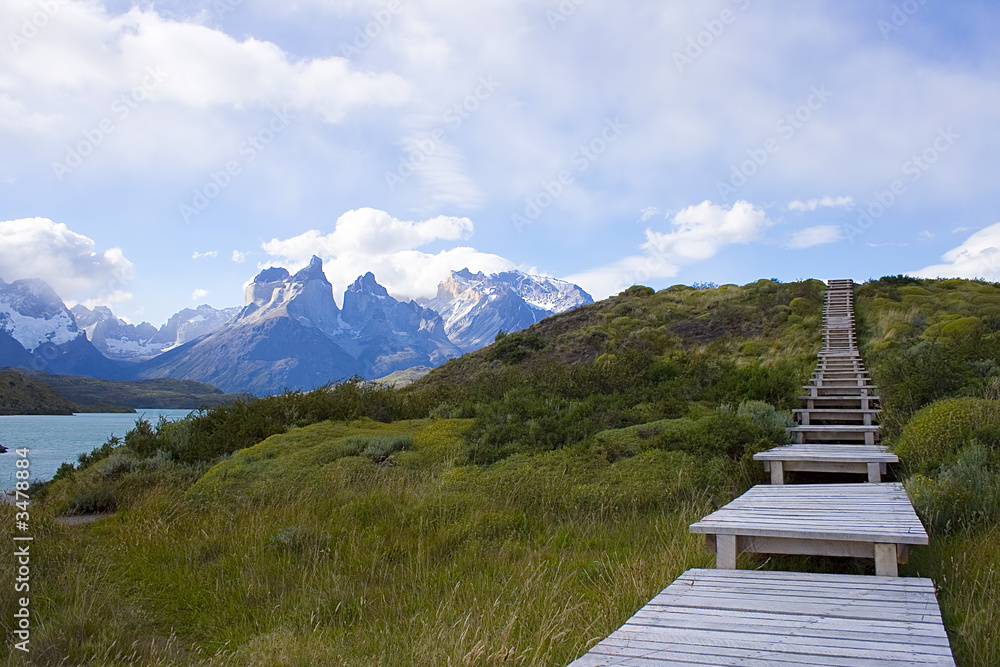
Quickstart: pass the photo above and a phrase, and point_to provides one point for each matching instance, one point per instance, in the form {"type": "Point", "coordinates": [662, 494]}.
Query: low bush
{"type": "Point", "coordinates": [965, 493]}
{"type": "Point", "coordinates": [937, 434]}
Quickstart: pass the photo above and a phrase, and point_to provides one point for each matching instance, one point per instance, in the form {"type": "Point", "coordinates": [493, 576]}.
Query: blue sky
{"type": "Point", "coordinates": [157, 155]}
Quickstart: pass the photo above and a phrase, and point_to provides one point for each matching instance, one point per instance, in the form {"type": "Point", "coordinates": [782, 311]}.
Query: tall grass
{"type": "Point", "coordinates": [421, 562]}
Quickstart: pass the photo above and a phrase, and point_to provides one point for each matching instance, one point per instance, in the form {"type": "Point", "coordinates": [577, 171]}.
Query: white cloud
{"type": "Point", "coordinates": [814, 236]}
{"type": "Point", "coordinates": [823, 202]}
{"type": "Point", "coordinates": [371, 240]}
{"type": "Point", "coordinates": [87, 52]}
{"type": "Point", "coordinates": [198, 294]}
{"type": "Point", "coordinates": [697, 233]}
{"type": "Point", "coordinates": [211, 254]}
{"type": "Point", "coordinates": [67, 261]}
{"type": "Point", "coordinates": [977, 257]}
{"type": "Point", "coordinates": [239, 257]}
{"type": "Point", "coordinates": [14, 116]}
{"type": "Point", "coordinates": [925, 235]}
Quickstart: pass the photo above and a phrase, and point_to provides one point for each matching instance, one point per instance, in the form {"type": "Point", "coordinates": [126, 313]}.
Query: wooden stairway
{"type": "Point", "coordinates": [838, 424]}
{"type": "Point", "coordinates": [732, 617]}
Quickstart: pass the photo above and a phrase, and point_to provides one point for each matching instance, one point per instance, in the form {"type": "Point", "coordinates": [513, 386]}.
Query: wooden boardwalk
{"type": "Point", "coordinates": [860, 520]}
{"type": "Point", "coordinates": [732, 617]}
{"type": "Point", "coordinates": [764, 619]}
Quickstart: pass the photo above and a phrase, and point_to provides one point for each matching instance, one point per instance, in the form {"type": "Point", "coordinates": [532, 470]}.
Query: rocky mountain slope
{"type": "Point", "coordinates": [475, 307]}
{"type": "Point", "coordinates": [117, 339]}
{"type": "Point", "coordinates": [290, 333]}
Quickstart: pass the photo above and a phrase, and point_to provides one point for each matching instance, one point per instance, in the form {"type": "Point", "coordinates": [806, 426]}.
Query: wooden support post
{"type": "Point", "coordinates": [875, 472]}
{"type": "Point", "coordinates": [725, 552]}
{"type": "Point", "coordinates": [885, 560]}
{"type": "Point", "coordinates": [777, 473]}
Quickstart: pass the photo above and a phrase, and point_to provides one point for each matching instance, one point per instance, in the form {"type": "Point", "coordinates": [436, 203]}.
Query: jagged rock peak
{"type": "Point", "coordinates": [368, 285]}
{"type": "Point", "coordinates": [314, 271]}
{"type": "Point", "coordinates": [307, 297]}
{"type": "Point", "coordinates": [274, 274]}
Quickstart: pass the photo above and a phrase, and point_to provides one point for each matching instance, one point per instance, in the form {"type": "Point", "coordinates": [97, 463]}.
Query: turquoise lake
{"type": "Point", "coordinates": [54, 440]}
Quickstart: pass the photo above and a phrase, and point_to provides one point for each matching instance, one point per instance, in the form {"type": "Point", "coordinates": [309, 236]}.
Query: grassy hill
{"type": "Point", "coordinates": [165, 393]}
{"type": "Point", "coordinates": [20, 395]}
{"type": "Point", "coordinates": [516, 504]}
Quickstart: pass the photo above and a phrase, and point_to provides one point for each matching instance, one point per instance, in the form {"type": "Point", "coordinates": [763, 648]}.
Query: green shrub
{"type": "Point", "coordinates": [376, 447]}
{"type": "Point", "coordinates": [933, 438]}
{"type": "Point", "coordinates": [765, 415]}
{"type": "Point", "coordinates": [91, 499]}
{"type": "Point", "coordinates": [512, 348]}
{"type": "Point", "coordinates": [965, 493]}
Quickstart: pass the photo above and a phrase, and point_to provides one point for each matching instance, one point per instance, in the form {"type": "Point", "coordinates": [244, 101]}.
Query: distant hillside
{"type": "Point", "coordinates": [762, 324]}
{"type": "Point", "coordinates": [400, 379]}
{"type": "Point", "coordinates": [20, 395]}
{"type": "Point", "coordinates": [162, 393]}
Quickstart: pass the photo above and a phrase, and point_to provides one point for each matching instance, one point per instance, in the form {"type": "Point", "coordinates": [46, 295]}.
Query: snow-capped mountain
{"type": "Point", "coordinates": [113, 337]}
{"type": "Point", "coordinates": [37, 331]}
{"type": "Point", "coordinates": [117, 339]}
{"type": "Point", "coordinates": [189, 324]}
{"type": "Point", "coordinates": [388, 335]}
{"type": "Point", "coordinates": [290, 334]}
{"type": "Point", "coordinates": [33, 314]}
{"type": "Point", "coordinates": [475, 306]}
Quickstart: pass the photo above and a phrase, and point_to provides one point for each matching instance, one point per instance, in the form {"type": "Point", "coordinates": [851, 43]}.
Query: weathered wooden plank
{"type": "Point", "coordinates": [875, 513]}
{"type": "Point", "coordinates": [719, 617]}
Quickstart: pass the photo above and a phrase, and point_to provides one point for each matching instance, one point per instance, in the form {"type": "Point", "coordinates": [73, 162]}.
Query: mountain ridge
{"type": "Point", "coordinates": [289, 335]}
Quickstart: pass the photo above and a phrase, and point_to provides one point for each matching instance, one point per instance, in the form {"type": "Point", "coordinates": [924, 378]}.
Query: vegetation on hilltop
{"type": "Point", "coordinates": [20, 395]}
{"type": "Point", "coordinates": [512, 507]}
{"type": "Point", "coordinates": [162, 393]}
{"type": "Point", "coordinates": [933, 347]}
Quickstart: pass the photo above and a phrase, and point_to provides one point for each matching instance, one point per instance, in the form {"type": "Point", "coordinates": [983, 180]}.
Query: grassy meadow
{"type": "Point", "coordinates": [516, 505]}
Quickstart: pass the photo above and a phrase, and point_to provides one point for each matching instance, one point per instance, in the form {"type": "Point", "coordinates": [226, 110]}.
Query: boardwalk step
{"type": "Point", "coordinates": [761, 619]}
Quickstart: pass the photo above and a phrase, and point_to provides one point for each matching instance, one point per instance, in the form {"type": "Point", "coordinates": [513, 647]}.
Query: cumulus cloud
{"type": "Point", "coordinates": [86, 50]}
{"type": "Point", "coordinates": [814, 236]}
{"type": "Point", "coordinates": [823, 202]}
{"type": "Point", "coordinates": [41, 248]}
{"type": "Point", "coordinates": [371, 240]}
{"type": "Point", "coordinates": [697, 233]}
{"type": "Point", "coordinates": [978, 257]}
{"type": "Point", "coordinates": [239, 257]}
{"type": "Point", "coordinates": [199, 294]}
{"type": "Point", "coordinates": [211, 254]}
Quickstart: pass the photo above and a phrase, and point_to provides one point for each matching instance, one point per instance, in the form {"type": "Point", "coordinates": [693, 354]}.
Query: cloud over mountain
{"type": "Point", "coordinates": [69, 262]}
{"type": "Point", "coordinates": [371, 240]}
